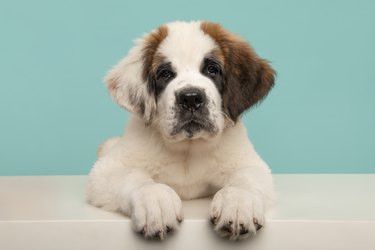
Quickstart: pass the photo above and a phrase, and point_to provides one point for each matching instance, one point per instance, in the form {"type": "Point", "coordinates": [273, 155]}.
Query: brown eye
{"type": "Point", "coordinates": [212, 69]}
{"type": "Point", "coordinates": [165, 74]}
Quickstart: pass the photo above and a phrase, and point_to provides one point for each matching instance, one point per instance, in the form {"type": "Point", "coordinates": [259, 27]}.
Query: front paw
{"type": "Point", "coordinates": [236, 213]}
{"type": "Point", "coordinates": [156, 210]}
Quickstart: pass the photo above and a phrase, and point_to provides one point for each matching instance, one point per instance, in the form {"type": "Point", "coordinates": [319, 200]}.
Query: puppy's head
{"type": "Point", "coordinates": [190, 79]}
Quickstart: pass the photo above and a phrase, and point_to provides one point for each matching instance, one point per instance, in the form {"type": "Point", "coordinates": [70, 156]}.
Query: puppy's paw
{"type": "Point", "coordinates": [156, 210]}
{"type": "Point", "coordinates": [236, 213]}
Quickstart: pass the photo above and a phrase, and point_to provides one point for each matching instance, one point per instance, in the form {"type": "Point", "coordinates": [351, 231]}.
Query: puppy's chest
{"type": "Point", "coordinates": [189, 175]}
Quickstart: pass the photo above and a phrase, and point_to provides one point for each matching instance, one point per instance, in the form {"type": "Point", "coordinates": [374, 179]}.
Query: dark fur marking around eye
{"type": "Point", "coordinates": [158, 81]}
{"type": "Point", "coordinates": [212, 69]}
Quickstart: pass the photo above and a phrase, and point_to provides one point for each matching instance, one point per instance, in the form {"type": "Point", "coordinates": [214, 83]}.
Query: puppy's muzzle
{"type": "Point", "coordinates": [191, 99]}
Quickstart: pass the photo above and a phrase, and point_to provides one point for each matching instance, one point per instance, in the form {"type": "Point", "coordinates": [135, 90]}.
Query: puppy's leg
{"type": "Point", "coordinates": [237, 210]}
{"type": "Point", "coordinates": [155, 209]}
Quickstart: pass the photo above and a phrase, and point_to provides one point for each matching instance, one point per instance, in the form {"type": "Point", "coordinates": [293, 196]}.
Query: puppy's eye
{"type": "Point", "coordinates": [212, 69]}
{"type": "Point", "coordinates": [165, 74]}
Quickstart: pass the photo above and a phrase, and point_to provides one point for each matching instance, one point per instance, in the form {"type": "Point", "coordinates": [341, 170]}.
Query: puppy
{"type": "Point", "coordinates": [186, 85]}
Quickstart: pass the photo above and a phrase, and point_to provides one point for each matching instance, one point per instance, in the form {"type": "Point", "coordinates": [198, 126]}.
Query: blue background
{"type": "Point", "coordinates": [55, 109]}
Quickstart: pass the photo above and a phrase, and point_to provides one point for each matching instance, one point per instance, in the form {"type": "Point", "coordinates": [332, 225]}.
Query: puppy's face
{"type": "Point", "coordinates": [190, 80]}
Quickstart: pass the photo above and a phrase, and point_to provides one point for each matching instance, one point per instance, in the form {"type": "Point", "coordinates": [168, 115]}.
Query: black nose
{"type": "Point", "coordinates": [191, 98]}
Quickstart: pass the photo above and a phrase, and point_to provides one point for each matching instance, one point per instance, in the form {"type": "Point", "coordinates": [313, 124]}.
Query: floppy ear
{"type": "Point", "coordinates": [127, 86]}
{"type": "Point", "coordinates": [248, 78]}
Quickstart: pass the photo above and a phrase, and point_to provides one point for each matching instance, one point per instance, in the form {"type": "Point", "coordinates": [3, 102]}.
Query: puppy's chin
{"type": "Point", "coordinates": [192, 128]}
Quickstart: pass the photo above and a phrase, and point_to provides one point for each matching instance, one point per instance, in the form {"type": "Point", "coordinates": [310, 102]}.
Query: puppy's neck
{"type": "Point", "coordinates": [192, 145]}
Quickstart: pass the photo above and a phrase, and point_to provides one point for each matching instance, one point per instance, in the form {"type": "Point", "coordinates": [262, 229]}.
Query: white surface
{"type": "Point", "coordinates": [311, 212]}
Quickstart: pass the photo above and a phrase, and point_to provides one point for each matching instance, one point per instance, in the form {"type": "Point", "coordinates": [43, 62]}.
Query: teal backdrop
{"type": "Point", "coordinates": [55, 109]}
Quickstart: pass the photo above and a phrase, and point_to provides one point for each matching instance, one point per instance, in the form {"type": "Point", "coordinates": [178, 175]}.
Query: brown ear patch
{"type": "Point", "coordinates": [248, 78]}
{"type": "Point", "coordinates": [150, 56]}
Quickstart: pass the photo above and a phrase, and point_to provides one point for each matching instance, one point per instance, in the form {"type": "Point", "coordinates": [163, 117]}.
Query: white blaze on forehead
{"type": "Point", "coordinates": [186, 45]}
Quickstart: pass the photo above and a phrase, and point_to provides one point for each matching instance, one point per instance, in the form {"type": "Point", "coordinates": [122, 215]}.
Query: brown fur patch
{"type": "Point", "coordinates": [248, 78]}
{"type": "Point", "coordinates": [150, 57]}
{"type": "Point", "coordinates": [219, 55]}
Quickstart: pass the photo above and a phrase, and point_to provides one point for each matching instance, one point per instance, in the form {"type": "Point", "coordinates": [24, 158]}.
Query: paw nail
{"type": "Point", "coordinates": [258, 227]}
{"type": "Point", "coordinates": [212, 220]}
{"type": "Point", "coordinates": [142, 231]}
{"type": "Point", "coordinates": [243, 230]}
{"type": "Point", "coordinates": [227, 228]}
{"type": "Point", "coordinates": [157, 235]}
{"type": "Point", "coordinates": [169, 229]}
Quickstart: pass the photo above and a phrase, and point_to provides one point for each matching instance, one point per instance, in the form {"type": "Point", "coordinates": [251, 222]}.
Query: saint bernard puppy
{"type": "Point", "coordinates": [186, 85]}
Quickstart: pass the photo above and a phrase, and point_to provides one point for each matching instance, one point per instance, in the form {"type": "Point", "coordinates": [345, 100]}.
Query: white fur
{"type": "Point", "coordinates": [187, 62]}
{"type": "Point", "coordinates": [145, 173]}
{"type": "Point", "coordinates": [128, 74]}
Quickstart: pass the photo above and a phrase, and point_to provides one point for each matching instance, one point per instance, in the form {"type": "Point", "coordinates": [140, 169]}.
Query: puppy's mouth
{"type": "Point", "coordinates": [193, 125]}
